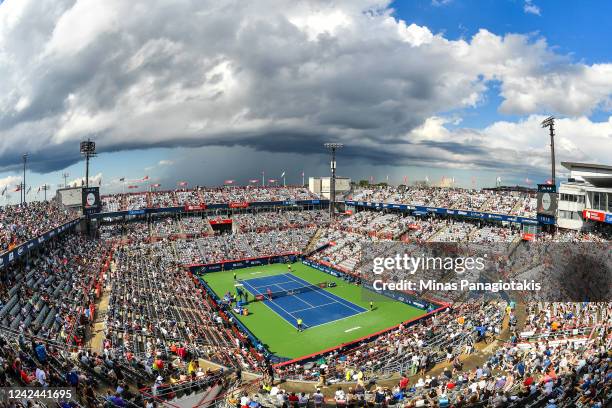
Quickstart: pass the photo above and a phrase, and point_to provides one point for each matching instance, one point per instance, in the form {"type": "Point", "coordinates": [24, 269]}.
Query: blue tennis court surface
{"type": "Point", "coordinates": [314, 307]}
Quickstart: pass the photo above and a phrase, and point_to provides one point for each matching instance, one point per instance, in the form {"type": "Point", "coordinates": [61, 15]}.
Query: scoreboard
{"type": "Point", "coordinates": [91, 200]}
{"type": "Point", "coordinates": [547, 202]}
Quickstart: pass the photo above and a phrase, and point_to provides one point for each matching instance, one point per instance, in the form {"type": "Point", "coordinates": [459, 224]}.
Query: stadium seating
{"type": "Point", "coordinates": [20, 223]}
{"type": "Point", "coordinates": [164, 337]}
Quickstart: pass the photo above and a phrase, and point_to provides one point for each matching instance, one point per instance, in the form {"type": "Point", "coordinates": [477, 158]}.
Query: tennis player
{"type": "Point", "coordinates": [269, 292]}
{"type": "Point", "coordinates": [288, 266]}
{"type": "Point", "coordinates": [300, 324]}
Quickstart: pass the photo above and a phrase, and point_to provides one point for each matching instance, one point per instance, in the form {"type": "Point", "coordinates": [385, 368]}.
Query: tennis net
{"type": "Point", "coordinates": [296, 291]}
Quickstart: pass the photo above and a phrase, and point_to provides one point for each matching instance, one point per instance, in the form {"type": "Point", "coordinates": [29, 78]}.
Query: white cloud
{"type": "Point", "coordinates": [516, 147]}
{"type": "Point", "coordinates": [94, 181]}
{"type": "Point", "coordinates": [531, 8]}
{"type": "Point", "coordinates": [10, 182]}
{"type": "Point", "coordinates": [274, 75]}
{"type": "Point", "coordinates": [165, 163]}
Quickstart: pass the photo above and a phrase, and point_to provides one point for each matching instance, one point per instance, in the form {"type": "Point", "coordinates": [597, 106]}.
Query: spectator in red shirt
{"type": "Point", "coordinates": [403, 384]}
{"type": "Point", "coordinates": [293, 399]}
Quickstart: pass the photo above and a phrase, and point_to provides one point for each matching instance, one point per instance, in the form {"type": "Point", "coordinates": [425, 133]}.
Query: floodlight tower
{"type": "Point", "coordinates": [332, 191]}
{"type": "Point", "coordinates": [23, 189]}
{"type": "Point", "coordinates": [88, 149]}
{"type": "Point", "coordinates": [65, 176]}
{"type": "Point", "coordinates": [45, 187]}
{"type": "Point", "coordinates": [549, 123]}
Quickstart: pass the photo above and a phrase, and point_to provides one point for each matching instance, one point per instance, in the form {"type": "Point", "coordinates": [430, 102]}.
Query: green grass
{"type": "Point", "coordinates": [282, 339]}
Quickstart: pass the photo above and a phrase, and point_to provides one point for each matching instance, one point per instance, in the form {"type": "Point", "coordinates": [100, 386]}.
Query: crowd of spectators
{"type": "Point", "coordinates": [280, 220]}
{"type": "Point", "coordinates": [158, 309]}
{"type": "Point", "coordinates": [347, 235]}
{"type": "Point", "coordinates": [161, 325]}
{"type": "Point", "coordinates": [500, 202]}
{"type": "Point", "coordinates": [23, 222]}
{"type": "Point", "coordinates": [202, 195]}
{"type": "Point", "coordinates": [52, 295]}
{"type": "Point", "coordinates": [213, 249]}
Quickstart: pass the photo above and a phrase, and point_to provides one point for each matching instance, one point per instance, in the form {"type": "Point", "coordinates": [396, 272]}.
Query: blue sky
{"type": "Point", "coordinates": [210, 105]}
{"type": "Point", "coordinates": [575, 28]}
{"type": "Point", "coordinates": [572, 27]}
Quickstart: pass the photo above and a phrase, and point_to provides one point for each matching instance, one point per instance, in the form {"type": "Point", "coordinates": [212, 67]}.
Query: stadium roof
{"type": "Point", "coordinates": [572, 165]}
{"type": "Point", "coordinates": [602, 180]}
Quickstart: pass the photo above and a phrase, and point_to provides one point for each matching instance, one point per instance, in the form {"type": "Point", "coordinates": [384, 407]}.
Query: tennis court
{"type": "Point", "coordinates": [276, 328]}
{"type": "Point", "coordinates": [294, 298]}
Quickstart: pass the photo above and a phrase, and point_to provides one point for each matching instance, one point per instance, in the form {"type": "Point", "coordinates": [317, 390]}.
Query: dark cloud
{"type": "Point", "coordinates": [272, 75]}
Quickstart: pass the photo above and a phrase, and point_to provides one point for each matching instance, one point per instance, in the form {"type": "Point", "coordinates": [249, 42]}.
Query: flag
{"type": "Point", "coordinates": [122, 179]}
{"type": "Point", "coordinates": [283, 174]}
{"type": "Point", "coordinates": [229, 181]}
{"type": "Point", "coordinates": [18, 188]}
{"type": "Point", "coordinates": [133, 186]}
{"type": "Point", "coordinates": [182, 183]}
{"type": "Point", "coordinates": [145, 178]}
{"type": "Point", "coordinates": [156, 185]}
{"type": "Point", "coordinates": [498, 179]}
{"type": "Point", "coordinates": [427, 179]}
{"type": "Point", "coordinates": [405, 179]}
{"type": "Point", "coordinates": [302, 174]}
{"type": "Point", "coordinates": [549, 182]}
{"type": "Point", "coordinates": [29, 189]}
{"type": "Point", "coordinates": [4, 191]}
{"type": "Point", "coordinates": [99, 182]}
{"type": "Point", "coordinates": [254, 181]}
{"type": "Point", "coordinates": [38, 190]}
{"type": "Point", "coordinates": [272, 181]}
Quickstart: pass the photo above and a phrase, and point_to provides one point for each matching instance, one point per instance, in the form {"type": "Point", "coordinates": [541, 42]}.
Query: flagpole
{"type": "Point", "coordinates": [263, 178]}
{"type": "Point", "coordinates": [303, 182]}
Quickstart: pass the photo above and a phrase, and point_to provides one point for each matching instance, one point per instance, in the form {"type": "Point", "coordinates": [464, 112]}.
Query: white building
{"type": "Point", "coordinates": [586, 197]}
{"type": "Point", "coordinates": [322, 186]}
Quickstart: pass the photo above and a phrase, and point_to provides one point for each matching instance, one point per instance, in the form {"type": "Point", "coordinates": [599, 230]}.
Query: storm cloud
{"type": "Point", "coordinates": [279, 76]}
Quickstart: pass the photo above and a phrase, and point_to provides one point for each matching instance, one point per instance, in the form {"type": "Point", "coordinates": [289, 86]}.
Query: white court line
{"type": "Point", "coordinates": [337, 320]}
{"type": "Point", "coordinates": [352, 328]}
{"type": "Point", "coordinates": [322, 291]}
{"type": "Point", "coordinates": [298, 298]}
{"type": "Point", "coordinates": [281, 308]}
{"type": "Point", "coordinates": [272, 284]}
{"type": "Point", "coordinates": [314, 307]}
{"type": "Point", "coordinates": [327, 295]}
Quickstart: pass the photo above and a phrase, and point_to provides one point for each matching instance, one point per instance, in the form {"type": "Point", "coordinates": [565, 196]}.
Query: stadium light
{"type": "Point", "coordinates": [65, 176]}
{"type": "Point", "coordinates": [23, 189]}
{"type": "Point", "coordinates": [88, 149]}
{"type": "Point", "coordinates": [332, 191]}
{"type": "Point", "coordinates": [549, 122]}
{"type": "Point", "coordinates": [45, 187]}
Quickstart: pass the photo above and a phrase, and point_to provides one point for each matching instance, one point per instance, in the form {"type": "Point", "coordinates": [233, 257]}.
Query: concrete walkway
{"type": "Point", "coordinates": [97, 335]}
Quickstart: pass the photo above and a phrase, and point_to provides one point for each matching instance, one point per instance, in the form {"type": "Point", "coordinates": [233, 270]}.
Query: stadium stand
{"type": "Point", "coordinates": [20, 223]}
{"type": "Point", "coordinates": [164, 339]}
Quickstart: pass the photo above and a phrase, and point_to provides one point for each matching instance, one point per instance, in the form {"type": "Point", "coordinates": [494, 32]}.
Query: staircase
{"type": "Point", "coordinates": [200, 399]}
{"type": "Point", "coordinates": [311, 246]}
